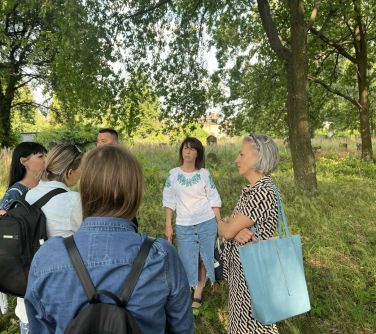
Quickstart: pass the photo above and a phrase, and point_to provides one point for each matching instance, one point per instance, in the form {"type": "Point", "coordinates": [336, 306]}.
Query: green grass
{"type": "Point", "coordinates": [337, 226]}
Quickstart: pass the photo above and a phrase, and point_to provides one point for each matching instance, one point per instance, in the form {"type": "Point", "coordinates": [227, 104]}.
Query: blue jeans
{"type": "Point", "coordinates": [24, 328]}
{"type": "Point", "coordinates": [194, 241]}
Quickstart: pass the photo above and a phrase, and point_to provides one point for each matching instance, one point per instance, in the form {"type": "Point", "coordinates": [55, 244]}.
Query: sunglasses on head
{"type": "Point", "coordinates": [255, 140]}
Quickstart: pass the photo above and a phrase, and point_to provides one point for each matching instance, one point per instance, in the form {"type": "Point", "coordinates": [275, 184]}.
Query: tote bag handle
{"type": "Point", "coordinates": [281, 212]}
{"type": "Point", "coordinates": [281, 217]}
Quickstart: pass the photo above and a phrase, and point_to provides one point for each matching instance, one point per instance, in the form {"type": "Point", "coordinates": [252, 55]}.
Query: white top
{"type": "Point", "coordinates": [63, 214]}
{"type": "Point", "coordinates": [192, 195]}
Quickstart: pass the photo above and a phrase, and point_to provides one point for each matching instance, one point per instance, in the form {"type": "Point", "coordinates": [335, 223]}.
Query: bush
{"type": "Point", "coordinates": [81, 135]}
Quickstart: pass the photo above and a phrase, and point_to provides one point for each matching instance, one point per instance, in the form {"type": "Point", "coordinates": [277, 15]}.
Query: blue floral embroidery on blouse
{"type": "Point", "coordinates": [212, 184]}
{"type": "Point", "coordinates": [189, 182]}
{"type": "Point", "coordinates": [168, 183]}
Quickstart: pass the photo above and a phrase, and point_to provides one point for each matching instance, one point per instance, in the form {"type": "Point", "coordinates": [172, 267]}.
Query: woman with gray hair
{"type": "Point", "coordinates": [257, 205]}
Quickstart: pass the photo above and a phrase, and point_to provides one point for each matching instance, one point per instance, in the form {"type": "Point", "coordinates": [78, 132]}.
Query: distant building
{"type": "Point", "coordinates": [28, 136]}
{"type": "Point", "coordinates": [211, 123]}
{"type": "Point", "coordinates": [329, 126]}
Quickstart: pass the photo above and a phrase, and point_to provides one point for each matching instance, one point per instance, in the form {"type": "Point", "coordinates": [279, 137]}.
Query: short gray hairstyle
{"type": "Point", "coordinates": [267, 150]}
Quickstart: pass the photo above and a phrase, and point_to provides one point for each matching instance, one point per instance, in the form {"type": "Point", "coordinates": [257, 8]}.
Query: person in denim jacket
{"type": "Point", "coordinates": [111, 187]}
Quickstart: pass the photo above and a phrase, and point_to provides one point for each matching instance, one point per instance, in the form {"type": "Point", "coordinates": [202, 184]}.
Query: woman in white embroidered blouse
{"type": "Point", "coordinates": [190, 191]}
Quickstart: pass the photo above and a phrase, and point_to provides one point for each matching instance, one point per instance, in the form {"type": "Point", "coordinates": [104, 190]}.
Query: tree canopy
{"type": "Point", "coordinates": [63, 46]}
{"type": "Point", "coordinates": [265, 53]}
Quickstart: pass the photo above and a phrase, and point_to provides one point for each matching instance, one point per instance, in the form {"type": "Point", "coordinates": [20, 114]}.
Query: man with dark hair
{"type": "Point", "coordinates": [107, 136]}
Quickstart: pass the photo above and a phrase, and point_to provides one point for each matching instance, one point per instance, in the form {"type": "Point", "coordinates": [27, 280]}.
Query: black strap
{"type": "Point", "coordinates": [136, 270]}
{"type": "Point", "coordinates": [135, 221]}
{"type": "Point", "coordinates": [80, 268]}
{"type": "Point", "coordinates": [86, 281]}
{"type": "Point", "coordinates": [109, 294]}
{"type": "Point", "coordinates": [44, 199]}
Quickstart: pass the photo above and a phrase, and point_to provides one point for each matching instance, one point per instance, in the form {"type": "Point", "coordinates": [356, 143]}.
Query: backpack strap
{"type": "Point", "coordinates": [80, 268]}
{"type": "Point", "coordinates": [86, 281]}
{"type": "Point", "coordinates": [136, 270]}
{"type": "Point", "coordinates": [45, 198]}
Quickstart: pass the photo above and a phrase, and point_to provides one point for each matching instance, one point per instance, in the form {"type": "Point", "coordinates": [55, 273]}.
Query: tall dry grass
{"type": "Point", "coordinates": [5, 159]}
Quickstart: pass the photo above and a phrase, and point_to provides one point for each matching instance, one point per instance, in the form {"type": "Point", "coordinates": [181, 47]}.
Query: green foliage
{"type": "Point", "coordinates": [335, 61]}
{"type": "Point", "coordinates": [8, 322]}
{"type": "Point", "coordinates": [162, 42]}
{"type": "Point", "coordinates": [22, 114]}
{"type": "Point", "coordinates": [82, 78]}
{"type": "Point", "coordinates": [66, 46]}
{"type": "Point", "coordinates": [138, 111]}
{"type": "Point", "coordinates": [332, 166]}
{"type": "Point", "coordinates": [337, 133]}
{"type": "Point", "coordinates": [81, 135]}
{"type": "Point", "coordinates": [23, 110]}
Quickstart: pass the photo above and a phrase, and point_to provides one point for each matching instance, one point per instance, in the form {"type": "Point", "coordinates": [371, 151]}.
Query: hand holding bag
{"type": "Point", "coordinates": [274, 273]}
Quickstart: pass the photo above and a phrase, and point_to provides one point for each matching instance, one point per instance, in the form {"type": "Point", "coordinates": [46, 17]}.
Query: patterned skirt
{"type": "Point", "coordinates": [240, 319]}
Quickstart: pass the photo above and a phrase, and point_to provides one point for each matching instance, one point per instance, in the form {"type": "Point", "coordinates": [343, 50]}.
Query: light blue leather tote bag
{"type": "Point", "coordinates": [274, 273]}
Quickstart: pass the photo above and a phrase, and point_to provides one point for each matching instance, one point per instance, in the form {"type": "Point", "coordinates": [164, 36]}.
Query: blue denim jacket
{"type": "Point", "coordinates": [160, 302]}
{"type": "Point", "coordinates": [14, 192]}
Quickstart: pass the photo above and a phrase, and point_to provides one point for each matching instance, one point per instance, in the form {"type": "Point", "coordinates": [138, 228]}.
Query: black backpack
{"type": "Point", "coordinates": [98, 317]}
{"type": "Point", "coordinates": [22, 231]}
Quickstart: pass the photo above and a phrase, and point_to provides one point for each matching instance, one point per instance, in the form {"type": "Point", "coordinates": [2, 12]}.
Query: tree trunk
{"type": "Point", "coordinates": [360, 43]}
{"type": "Point", "coordinates": [6, 100]}
{"type": "Point", "coordinates": [296, 64]}
{"type": "Point", "coordinates": [297, 102]}
{"type": "Point", "coordinates": [365, 130]}
{"type": "Point", "coordinates": [5, 109]}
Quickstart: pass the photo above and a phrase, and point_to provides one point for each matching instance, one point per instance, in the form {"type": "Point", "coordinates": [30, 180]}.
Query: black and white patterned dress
{"type": "Point", "coordinates": [260, 205]}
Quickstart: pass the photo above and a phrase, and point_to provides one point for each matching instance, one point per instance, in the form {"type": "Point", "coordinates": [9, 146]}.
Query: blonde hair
{"type": "Point", "coordinates": [60, 159]}
{"type": "Point", "coordinates": [112, 183]}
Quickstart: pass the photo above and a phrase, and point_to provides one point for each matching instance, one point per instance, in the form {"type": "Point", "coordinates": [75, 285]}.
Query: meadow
{"type": "Point", "coordinates": [337, 225]}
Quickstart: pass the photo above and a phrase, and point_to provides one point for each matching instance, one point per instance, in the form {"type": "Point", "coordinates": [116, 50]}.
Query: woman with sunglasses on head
{"type": "Point", "coordinates": [190, 191]}
{"type": "Point", "coordinates": [63, 212]}
{"type": "Point", "coordinates": [257, 205]}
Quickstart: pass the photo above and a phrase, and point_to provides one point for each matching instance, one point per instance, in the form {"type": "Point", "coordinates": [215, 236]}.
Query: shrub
{"type": "Point", "coordinates": [82, 135]}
